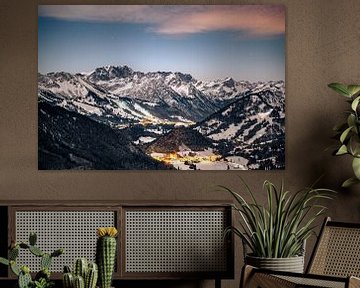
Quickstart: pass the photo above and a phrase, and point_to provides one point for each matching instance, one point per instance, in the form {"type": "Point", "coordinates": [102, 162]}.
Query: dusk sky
{"type": "Point", "coordinates": [246, 42]}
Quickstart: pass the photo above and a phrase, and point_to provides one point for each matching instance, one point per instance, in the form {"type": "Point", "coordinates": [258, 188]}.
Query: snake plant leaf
{"type": "Point", "coordinates": [340, 88]}
{"type": "Point", "coordinates": [356, 167]}
{"type": "Point", "coordinates": [342, 150]}
{"type": "Point", "coordinates": [349, 182]}
{"type": "Point", "coordinates": [355, 103]}
{"type": "Point", "coordinates": [353, 90]}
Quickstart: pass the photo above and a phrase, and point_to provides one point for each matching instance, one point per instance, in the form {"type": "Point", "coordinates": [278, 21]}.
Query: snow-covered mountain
{"type": "Point", "coordinates": [240, 121]}
{"type": "Point", "coordinates": [119, 95]}
{"type": "Point", "coordinates": [252, 127]}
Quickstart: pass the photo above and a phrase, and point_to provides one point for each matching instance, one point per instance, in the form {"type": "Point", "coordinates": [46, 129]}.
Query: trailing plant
{"type": "Point", "coordinates": [106, 254]}
{"type": "Point", "coordinates": [279, 229]}
{"type": "Point", "coordinates": [348, 132]}
{"type": "Point", "coordinates": [42, 278]}
{"type": "Point", "coordinates": [85, 275]}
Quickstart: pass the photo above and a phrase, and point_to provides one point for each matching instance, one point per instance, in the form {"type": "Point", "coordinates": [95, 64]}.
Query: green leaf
{"type": "Point", "coordinates": [14, 268]}
{"type": "Point", "coordinates": [340, 88]}
{"type": "Point", "coordinates": [355, 103]}
{"type": "Point", "coordinates": [354, 145]}
{"type": "Point", "coordinates": [342, 150]}
{"type": "Point", "coordinates": [349, 182]}
{"type": "Point", "coordinates": [4, 261]}
{"type": "Point", "coordinates": [345, 134]}
{"type": "Point", "coordinates": [356, 167]}
{"type": "Point", "coordinates": [351, 120]}
{"type": "Point", "coordinates": [353, 89]}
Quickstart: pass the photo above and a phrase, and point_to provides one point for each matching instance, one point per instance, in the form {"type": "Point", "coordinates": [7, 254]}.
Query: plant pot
{"type": "Point", "coordinates": [291, 264]}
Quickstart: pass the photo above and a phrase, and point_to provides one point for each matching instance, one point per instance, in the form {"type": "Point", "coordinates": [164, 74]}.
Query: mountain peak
{"type": "Point", "coordinates": [109, 72]}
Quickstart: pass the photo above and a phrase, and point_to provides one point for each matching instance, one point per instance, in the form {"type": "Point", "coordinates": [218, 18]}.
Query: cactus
{"type": "Point", "coordinates": [90, 272]}
{"type": "Point", "coordinates": [91, 276]}
{"type": "Point", "coordinates": [13, 253]}
{"type": "Point", "coordinates": [24, 280]}
{"type": "Point", "coordinates": [14, 268]}
{"type": "Point", "coordinates": [105, 255]}
{"type": "Point", "coordinates": [79, 282]}
{"type": "Point", "coordinates": [80, 268]}
{"type": "Point", "coordinates": [32, 239]}
{"type": "Point", "coordinates": [42, 278]}
{"type": "Point", "coordinates": [45, 261]}
{"type": "Point", "coordinates": [36, 251]}
{"type": "Point", "coordinates": [68, 280]}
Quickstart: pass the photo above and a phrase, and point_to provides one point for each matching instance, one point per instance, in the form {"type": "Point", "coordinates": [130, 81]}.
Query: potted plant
{"type": "Point", "coordinates": [348, 132]}
{"type": "Point", "coordinates": [42, 278]}
{"type": "Point", "coordinates": [276, 233]}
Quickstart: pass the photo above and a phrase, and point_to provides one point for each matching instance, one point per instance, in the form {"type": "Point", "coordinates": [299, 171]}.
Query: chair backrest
{"type": "Point", "coordinates": [337, 251]}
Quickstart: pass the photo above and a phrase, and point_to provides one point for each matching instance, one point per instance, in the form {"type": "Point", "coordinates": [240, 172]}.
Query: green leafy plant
{"type": "Point", "coordinates": [279, 229]}
{"type": "Point", "coordinates": [348, 132]}
{"type": "Point", "coordinates": [42, 278]}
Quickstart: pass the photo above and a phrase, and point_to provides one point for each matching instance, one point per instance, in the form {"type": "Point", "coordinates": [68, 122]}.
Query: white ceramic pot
{"type": "Point", "coordinates": [291, 264]}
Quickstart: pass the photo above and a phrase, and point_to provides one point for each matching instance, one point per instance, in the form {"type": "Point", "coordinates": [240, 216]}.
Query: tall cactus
{"type": "Point", "coordinates": [106, 254]}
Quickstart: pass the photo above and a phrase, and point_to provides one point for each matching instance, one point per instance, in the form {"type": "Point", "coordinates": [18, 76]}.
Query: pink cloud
{"type": "Point", "coordinates": [254, 20]}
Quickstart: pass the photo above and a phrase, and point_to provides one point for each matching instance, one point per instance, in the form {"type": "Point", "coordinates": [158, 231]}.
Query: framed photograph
{"type": "Point", "coordinates": [155, 87]}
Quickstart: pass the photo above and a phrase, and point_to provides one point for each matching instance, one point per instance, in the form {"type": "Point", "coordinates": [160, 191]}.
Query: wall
{"type": "Point", "coordinates": [323, 46]}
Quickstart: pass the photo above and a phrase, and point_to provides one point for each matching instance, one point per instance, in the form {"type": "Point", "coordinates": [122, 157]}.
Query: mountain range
{"type": "Point", "coordinates": [233, 119]}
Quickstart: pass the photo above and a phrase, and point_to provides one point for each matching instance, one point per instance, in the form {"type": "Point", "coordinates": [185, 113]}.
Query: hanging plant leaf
{"type": "Point", "coordinates": [345, 134]}
{"type": "Point", "coordinates": [340, 88]}
{"type": "Point", "coordinates": [353, 90]}
{"type": "Point", "coordinates": [355, 103]}
{"type": "Point", "coordinates": [356, 167]}
{"type": "Point", "coordinates": [351, 120]}
{"type": "Point", "coordinates": [342, 150]}
{"type": "Point", "coordinates": [349, 182]}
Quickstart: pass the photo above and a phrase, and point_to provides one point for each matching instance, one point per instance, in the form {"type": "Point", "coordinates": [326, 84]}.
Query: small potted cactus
{"type": "Point", "coordinates": [42, 278]}
{"type": "Point", "coordinates": [106, 254]}
{"type": "Point", "coordinates": [85, 275]}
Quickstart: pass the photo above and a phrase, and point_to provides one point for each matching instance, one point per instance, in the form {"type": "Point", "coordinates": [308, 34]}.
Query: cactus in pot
{"type": "Point", "coordinates": [106, 254]}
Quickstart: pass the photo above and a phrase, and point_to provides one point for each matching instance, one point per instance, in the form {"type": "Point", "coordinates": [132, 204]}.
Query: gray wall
{"type": "Point", "coordinates": [323, 46]}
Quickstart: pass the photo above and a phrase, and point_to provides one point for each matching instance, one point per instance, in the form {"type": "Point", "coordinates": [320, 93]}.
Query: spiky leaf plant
{"type": "Point", "coordinates": [279, 229]}
{"type": "Point", "coordinates": [348, 132]}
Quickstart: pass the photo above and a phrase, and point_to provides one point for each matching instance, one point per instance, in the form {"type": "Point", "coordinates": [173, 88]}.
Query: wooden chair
{"type": "Point", "coordinates": [334, 263]}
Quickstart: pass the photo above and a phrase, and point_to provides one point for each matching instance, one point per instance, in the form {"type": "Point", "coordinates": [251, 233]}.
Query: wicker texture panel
{"type": "Point", "coordinates": [75, 231]}
{"type": "Point", "coordinates": [304, 282]}
{"type": "Point", "coordinates": [175, 241]}
{"type": "Point", "coordinates": [338, 253]}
